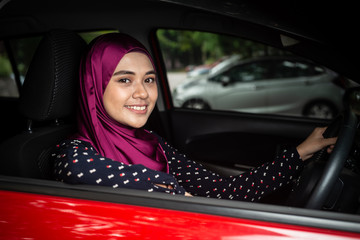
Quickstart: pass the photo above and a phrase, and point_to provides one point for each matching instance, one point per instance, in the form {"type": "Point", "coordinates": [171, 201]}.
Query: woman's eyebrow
{"type": "Point", "coordinates": [150, 72]}
{"type": "Point", "coordinates": [124, 72]}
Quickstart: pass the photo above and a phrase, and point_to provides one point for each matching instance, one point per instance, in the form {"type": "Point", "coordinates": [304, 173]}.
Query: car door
{"type": "Point", "coordinates": [289, 87]}
{"type": "Point", "coordinates": [244, 90]}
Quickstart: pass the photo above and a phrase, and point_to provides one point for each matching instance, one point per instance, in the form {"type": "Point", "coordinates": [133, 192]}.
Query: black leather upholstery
{"type": "Point", "coordinates": [48, 94]}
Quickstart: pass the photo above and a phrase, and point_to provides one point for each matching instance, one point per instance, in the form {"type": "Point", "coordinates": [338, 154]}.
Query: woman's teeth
{"type": "Point", "coordinates": [138, 108]}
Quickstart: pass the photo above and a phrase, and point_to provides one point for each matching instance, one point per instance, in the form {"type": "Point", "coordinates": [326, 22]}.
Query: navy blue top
{"type": "Point", "coordinates": [77, 162]}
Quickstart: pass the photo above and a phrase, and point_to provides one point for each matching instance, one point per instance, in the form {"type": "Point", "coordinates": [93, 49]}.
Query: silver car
{"type": "Point", "coordinates": [281, 85]}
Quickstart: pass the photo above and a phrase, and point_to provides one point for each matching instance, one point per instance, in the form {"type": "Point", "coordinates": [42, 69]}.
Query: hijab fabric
{"type": "Point", "coordinates": [110, 138]}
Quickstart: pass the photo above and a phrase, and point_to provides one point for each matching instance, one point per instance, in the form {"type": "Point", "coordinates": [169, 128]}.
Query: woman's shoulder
{"type": "Point", "coordinates": [73, 142]}
{"type": "Point", "coordinates": [74, 146]}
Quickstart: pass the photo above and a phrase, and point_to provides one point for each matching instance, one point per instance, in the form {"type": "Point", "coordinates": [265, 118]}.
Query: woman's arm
{"type": "Point", "coordinates": [76, 162]}
{"type": "Point", "coordinates": [249, 186]}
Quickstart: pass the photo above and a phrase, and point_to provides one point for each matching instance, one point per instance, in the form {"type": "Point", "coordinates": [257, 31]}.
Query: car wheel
{"type": "Point", "coordinates": [321, 109]}
{"type": "Point", "coordinates": [196, 104]}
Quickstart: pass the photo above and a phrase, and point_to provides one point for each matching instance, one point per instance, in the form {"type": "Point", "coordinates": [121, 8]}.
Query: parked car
{"type": "Point", "coordinates": [282, 85]}
{"type": "Point", "coordinates": [322, 204]}
{"type": "Point", "coordinates": [194, 72]}
{"type": "Point", "coordinates": [198, 71]}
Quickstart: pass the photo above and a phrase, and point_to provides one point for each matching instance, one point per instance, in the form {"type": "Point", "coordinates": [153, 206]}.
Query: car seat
{"type": "Point", "coordinates": [47, 100]}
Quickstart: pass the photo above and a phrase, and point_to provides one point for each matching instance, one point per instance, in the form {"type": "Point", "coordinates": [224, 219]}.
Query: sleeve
{"type": "Point", "coordinates": [78, 163]}
{"type": "Point", "coordinates": [249, 186]}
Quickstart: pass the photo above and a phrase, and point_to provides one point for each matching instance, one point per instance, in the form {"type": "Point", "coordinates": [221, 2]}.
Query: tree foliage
{"type": "Point", "coordinates": [183, 48]}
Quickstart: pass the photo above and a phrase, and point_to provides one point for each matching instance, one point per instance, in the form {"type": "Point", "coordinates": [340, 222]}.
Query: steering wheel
{"type": "Point", "coordinates": [319, 176]}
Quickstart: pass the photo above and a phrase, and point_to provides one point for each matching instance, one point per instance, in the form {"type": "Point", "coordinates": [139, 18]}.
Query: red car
{"type": "Point", "coordinates": [324, 203]}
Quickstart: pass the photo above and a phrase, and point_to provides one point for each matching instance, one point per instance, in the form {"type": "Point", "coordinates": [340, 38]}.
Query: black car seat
{"type": "Point", "coordinates": [47, 100]}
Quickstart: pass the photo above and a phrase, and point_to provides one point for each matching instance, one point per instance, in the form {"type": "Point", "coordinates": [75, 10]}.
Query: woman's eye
{"type": "Point", "coordinates": [150, 80]}
{"type": "Point", "coordinates": [124, 80]}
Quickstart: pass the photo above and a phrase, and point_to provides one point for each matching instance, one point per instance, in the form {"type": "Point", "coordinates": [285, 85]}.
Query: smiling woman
{"type": "Point", "coordinates": [118, 94]}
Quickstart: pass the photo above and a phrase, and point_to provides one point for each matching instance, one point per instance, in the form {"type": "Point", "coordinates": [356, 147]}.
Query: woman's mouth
{"type": "Point", "coordinates": [137, 108]}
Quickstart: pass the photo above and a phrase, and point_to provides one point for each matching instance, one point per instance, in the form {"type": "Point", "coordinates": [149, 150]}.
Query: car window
{"type": "Point", "coordinates": [250, 72]}
{"type": "Point", "coordinates": [208, 71]}
{"type": "Point", "coordinates": [8, 87]}
{"type": "Point", "coordinates": [292, 69]}
{"type": "Point", "coordinates": [22, 50]}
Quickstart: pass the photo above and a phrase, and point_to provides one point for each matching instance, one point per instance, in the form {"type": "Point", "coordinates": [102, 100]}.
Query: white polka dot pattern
{"type": "Point", "coordinates": [249, 186]}
{"type": "Point", "coordinates": [77, 162]}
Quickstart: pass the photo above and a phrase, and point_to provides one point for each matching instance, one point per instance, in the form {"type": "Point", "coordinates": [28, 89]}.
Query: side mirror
{"type": "Point", "coordinates": [225, 80]}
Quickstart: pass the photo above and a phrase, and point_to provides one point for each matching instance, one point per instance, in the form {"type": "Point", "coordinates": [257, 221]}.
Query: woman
{"type": "Point", "coordinates": [118, 92]}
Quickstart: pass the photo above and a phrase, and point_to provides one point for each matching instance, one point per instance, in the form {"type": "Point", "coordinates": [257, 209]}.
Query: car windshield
{"type": "Point", "coordinates": [224, 65]}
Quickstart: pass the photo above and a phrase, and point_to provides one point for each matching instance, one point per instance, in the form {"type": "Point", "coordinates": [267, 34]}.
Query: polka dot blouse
{"type": "Point", "coordinates": [77, 162]}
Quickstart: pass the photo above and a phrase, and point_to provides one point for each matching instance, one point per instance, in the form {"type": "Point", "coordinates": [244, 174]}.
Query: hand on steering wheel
{"type": "Point", "coordinates": [314, 143]}
{"type": "Point", "coordinates": [319, 177]}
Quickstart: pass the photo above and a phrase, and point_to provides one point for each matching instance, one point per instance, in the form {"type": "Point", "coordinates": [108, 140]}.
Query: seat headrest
{"type": "Point", "coordinates": [49, 90]}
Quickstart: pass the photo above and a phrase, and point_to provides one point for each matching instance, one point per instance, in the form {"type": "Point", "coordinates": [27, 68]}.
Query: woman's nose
{"type": "Point", "coordinates": [140, 91]}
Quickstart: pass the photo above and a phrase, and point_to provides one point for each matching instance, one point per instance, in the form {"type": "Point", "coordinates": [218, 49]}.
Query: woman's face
{"type": "Point", "coordinates": [131, 93]}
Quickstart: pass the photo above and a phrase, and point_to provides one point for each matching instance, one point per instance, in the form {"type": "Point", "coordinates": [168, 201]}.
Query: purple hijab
{"type": "Point", "coordinates": [110, 138]}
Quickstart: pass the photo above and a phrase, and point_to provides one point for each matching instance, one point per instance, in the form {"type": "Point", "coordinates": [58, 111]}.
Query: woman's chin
{"type": "Point", "coordinates": [137, 124]}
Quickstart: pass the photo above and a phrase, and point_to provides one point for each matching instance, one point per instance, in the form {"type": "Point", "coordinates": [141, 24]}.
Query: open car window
{"type": "Point", "coordinates": [209, 71]}
{"type": "Point", "coordinates": [8, 85]}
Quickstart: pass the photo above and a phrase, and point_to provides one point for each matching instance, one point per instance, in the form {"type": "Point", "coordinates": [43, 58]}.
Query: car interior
{"type": "Point", "coordinates": [225, 142]}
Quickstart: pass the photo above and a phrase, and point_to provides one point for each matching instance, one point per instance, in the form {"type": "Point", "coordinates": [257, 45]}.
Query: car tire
{"type": "Point", "coordinates": [320, 109]}
{"type": "Point", "coordinates": [196, 104]}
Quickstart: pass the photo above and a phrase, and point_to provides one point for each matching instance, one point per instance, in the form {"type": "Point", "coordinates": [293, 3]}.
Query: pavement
{"type": "Point", "coordinates": [175, 78]}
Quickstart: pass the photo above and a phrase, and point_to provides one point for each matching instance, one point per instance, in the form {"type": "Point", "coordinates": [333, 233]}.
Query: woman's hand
{"type": "Point", "coordinates": [164, 186]}
{"type": "Point", "coordinates": [171, 187]}
{"type": "Point", "coordinates": [188, 194]}
{"type": "Point", "coordinates": [315, 142]}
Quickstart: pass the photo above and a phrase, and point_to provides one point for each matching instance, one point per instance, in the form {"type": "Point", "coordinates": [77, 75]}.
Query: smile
{"type": "Point", "coordinates": [137, 108]}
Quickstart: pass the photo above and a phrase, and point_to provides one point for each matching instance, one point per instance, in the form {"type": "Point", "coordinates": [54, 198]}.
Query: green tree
{"type": "Point", "coordinates": [5, 66]}
{"type": "Point", "coordinates": [196, 48]}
